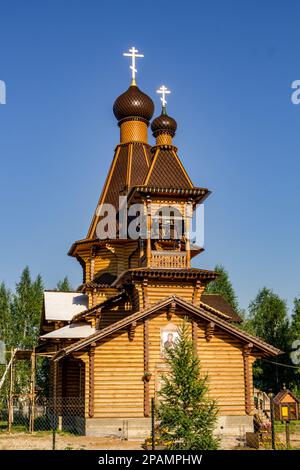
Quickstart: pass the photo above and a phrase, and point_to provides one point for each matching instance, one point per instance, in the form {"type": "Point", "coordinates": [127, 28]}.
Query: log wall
{"type": "Point", "coordinates": [119, 362]}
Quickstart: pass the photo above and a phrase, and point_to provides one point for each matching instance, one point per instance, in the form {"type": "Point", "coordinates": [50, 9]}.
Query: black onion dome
{"type": "Point", "coordinates": [163, 124]}
{"type": "Point", "coordinates": [133, 104]}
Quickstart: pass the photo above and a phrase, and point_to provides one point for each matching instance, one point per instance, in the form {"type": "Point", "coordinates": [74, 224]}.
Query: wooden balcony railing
{"type": "Point", "coordinates": [168, 259]}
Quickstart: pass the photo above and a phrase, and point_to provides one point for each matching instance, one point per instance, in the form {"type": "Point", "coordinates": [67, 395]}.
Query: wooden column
{"type": "Point", "coordinates": [92, 380]}
{"type": "Point", "coordinates": [148, 249]}
{"type": "Point", "coordinates": [93, 254]}
{"type": "Point", "coordinates": [11, 390]}
{"type": "Point", "coordinates": [54, 411]}
{"type": "Point", "coordinates": [142, 252]}
{"type": "Point", "coordinates": [145, 293]}
{"type": "Point", "coordinates": [189, 213]}
{"type": "Point", "coordinates": [198, 289]}
{"type": "Point", "coordinates": [32, 391]}
{"type": "Point", "coordinates": [247, 377]}
{"type": "Point", "coordinates": [146, 369]}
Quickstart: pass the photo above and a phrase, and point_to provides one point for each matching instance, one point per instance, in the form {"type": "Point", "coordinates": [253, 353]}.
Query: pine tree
{"type": "Point", "coordinates": [187, 415]}
{"type": "Point", "coordinates": [64, 285]}
{"type": "Point", "coordinates": [223, 286]}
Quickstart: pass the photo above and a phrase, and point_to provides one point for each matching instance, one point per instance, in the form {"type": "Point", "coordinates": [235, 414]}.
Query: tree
{"type": "Point", "coordinates": [268, 313]}
{"type": "Point", "coordinates": [295, 346]}
{"type": "Point", "coordinates": [5, 315]}
{"type": "Point", "coordinates": [223, 286]}
{"type": "Point", "coordinates": [26, 310]}
{"type": "Point", "coordinates": [5, 334]}
{"type": "Point", "coordinates": [64, 285]}
{"type": "Point", "coordinates": [268, 319]}
{"type": "Point", "coordinates": [187, 415]}
{"type": "Point", "coordinates": [295, 321]}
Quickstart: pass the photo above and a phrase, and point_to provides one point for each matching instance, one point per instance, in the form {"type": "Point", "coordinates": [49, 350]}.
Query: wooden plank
{"type": "Point", "coordinates": [91, 380]}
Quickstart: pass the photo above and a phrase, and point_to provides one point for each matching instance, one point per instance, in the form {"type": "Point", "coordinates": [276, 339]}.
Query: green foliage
{"type": "Point", "coordinates": [42, 375]}
{"type": "Point", "coordinates": [268, 314]}
{"type": "Point", "coordinates": [64, 285]}
{"type": "Point", "coordinates": [295, 321]}
{"type": "Point", "coordinates": [26, 310]}
{"type": "Point", "coordinates": [5, 315]}
{"type": "Point", "coordinates": [20, 314]}
{"type": "Point", "coordinates": [268, 319]}
{"type": "Point", "coordinates": [223, 286]}
{"type": "Point", "coordinates": [187, 415]}
{"type": "Point", "coordinates": [295, 336]}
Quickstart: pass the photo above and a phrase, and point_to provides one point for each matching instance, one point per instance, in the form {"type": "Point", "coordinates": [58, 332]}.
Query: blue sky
{"type": "Point", "coordinates": [229, 65]}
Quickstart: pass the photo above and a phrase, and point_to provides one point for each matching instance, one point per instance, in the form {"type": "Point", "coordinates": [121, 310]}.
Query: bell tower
{"type": "Point", "coordinates": [154, 178]}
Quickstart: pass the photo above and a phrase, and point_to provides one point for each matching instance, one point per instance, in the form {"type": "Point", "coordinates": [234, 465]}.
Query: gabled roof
{"type": "Point", "coordinates": [198, 311]}
{"type": "Point", "coordinates": [279, 398]}
{"type": "Point", "coordinates": [62, 306]}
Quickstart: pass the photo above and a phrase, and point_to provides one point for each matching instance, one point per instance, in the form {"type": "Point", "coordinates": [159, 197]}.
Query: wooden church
{"type": "Point", "coordinates": [107, 339]}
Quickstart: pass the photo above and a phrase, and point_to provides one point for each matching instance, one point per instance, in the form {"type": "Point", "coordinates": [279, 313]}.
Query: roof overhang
{"type": "Point", "coordinates": [262, 346]}
{"type": "Point", "coordinates": [196, 194]}
{"type": "Point", "coordinates": [152, 273]}
{"type": "Point", "coordinates": [71, 331]}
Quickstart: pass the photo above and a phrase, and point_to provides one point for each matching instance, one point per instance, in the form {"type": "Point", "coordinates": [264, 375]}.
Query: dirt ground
{"type": "Point", "coordinates": [21, 441]}
{"type": "Point", "coordinates": [294, 439]}
{"type": "Point", "coordinates": [43, 441]}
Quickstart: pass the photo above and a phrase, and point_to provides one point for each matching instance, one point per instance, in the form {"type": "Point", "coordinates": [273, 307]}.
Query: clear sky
{"type": "Point", "coordinates": [229, 64]}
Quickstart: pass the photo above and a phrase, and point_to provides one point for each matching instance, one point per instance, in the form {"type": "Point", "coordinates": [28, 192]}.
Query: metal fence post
{"type": "Point", "coordinates": [287, 435]}
{"type": "Point", "coordinates": [153, 423]}
{"type": "Point", "coordinates": [53, 438]}
{"type": "Point", "coordinates": [272, 421]}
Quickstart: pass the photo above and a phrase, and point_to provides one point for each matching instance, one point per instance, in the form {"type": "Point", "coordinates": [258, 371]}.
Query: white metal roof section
{"type": "Point", "coordinates": [74, 330]}
{"type": "Point", "coordinates": [64, 305]}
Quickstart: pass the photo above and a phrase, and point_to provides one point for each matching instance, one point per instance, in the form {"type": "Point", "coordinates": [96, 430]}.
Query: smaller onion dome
{"type": "Point", "coordinates": [133, 104]}
{"type": "Point", "coordinates": [164, 124]}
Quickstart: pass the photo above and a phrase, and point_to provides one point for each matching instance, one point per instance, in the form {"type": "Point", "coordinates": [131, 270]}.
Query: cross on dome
{"type": "Point", "coordinates": [133, 53]}
{"type": "Point", "coordinates": [163, 90]}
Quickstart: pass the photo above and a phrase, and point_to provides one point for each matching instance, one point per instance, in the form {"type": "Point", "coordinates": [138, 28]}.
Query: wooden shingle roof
{"type": "Point", "coordinates": [167, 171]}
{"type": "Point", "coordinates": [219, 304]}
{"type": "Point", "coordinates": [129, 167]}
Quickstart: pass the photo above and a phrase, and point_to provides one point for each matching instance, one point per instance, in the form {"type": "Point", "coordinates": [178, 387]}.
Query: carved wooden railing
{"type": "Point", "coordinates": [168, 259]}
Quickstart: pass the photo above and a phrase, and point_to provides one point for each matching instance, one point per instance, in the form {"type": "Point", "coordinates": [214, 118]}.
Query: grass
{"type": "Point", "coordinates": [294, 426]}
{"type": "Point", "coordinates": [21, 428]}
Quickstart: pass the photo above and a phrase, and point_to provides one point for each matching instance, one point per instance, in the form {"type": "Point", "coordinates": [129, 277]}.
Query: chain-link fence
{"type": "Point", "coordinates": [271, 432]}
{"type": "Point", "coordinates": [43, 417]}
{"type": "Point", "coordinates": [45, 423]}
